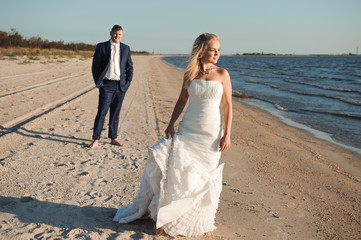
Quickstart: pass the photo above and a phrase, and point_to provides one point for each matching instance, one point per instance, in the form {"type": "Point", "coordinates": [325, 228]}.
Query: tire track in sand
{"type": "Point", "coordinates": [15, 123]}
{"type": "Point", "coordinates": [44, 84]}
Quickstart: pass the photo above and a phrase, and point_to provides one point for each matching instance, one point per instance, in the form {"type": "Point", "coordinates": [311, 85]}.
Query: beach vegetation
{"type": "Point", "coordinates": [13, 44]}
{"type": "Point", "coordinates": [13, 39]}
{"type": "Point", "coordinates": [25, 62]}
{"type": "Point", "coordinates": [33, 58]}
{"type": "Point", "coordinates": [140, 53]}
{"type": "Point", "coordinates": [36, 54]}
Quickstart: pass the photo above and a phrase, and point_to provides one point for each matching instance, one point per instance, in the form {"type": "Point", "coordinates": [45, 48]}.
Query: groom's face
{"type": "Point", "coordinates": [116, 36]}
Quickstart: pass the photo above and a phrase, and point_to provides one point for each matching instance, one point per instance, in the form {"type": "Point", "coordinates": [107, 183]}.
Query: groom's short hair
{"type": "Point", "coordinates": [116, 28]}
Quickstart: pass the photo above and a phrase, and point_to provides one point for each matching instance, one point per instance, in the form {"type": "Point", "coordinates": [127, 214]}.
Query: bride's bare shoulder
{"type": "Point", "coordinates": [221, 70]}
{"type": "Point", "coordinates": [223, 74]}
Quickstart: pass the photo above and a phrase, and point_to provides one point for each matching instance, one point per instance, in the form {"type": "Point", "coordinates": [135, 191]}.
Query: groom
{"type": "Point", "coordinates": [112, 71]}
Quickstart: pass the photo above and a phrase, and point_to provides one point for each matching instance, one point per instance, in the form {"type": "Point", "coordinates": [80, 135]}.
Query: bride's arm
{"type": "Point", "coordinates": [225, 142]}
{"type": "Point", "coordinates": [178, 108]}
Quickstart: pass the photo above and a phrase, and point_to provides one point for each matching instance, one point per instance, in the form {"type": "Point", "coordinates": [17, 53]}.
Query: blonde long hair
{"type": "Point", "coordinates": [195, 62]}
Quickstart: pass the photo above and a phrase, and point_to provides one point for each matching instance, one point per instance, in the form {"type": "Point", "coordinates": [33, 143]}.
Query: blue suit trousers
{"type": "Point", "coordinates": [110, 97]}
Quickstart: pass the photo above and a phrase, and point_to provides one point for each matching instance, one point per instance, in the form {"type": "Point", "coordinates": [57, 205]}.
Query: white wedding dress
{"type": "Point", "coordinates": [182, 181]}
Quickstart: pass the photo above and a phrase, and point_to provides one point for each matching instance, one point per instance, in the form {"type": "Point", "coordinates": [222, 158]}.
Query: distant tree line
{"type": "Point", "coordinates": [15, 39]}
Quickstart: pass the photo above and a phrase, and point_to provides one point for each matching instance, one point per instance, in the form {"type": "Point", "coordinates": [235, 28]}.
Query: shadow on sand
{"type": "Point", "coordinates": [44, 135]}
{"type": "Point", "coordinates": [68, 217]}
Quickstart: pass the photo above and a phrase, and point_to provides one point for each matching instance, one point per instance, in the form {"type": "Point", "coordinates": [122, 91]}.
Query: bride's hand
{"type": "Point", "coordinates": [224, 143]}
{"type": "Point", "coordinates": [169, 131]}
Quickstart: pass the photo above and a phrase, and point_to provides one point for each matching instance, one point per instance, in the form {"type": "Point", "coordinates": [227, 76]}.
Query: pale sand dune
{"type": "Point", "coordinates": [279, 182]}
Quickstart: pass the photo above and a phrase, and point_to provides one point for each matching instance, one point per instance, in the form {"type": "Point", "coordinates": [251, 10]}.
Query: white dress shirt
{"type": "Point", "coordinates": [113, 72]}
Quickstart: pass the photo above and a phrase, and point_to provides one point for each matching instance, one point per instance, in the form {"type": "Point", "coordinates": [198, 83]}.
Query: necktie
{"type": "Point", "coordinates": [116, 60]}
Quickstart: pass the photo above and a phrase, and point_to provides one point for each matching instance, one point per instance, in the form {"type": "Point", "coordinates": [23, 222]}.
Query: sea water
{"type": "Point", "coordinates": [321, 94]}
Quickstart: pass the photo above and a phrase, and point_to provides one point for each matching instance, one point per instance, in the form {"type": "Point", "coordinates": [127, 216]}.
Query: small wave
{"type": "Point", "coordinates": [243, 73]}
{"type": "Point", "coordinates": [317, 77]}
{"type": "Point", "coordinates": [298, 71]}
{"type": "Point", "coordinates": [356, 116]}
{"type": "Point", "coordinates": [355, 75]}
{"type": "Point", "coordinates": [323, 86]}
{"type": "Point", "coordinates": [348, 100]}
{"type": "Point", "coordinates": [280, 73]}
{"type": "Point", "coordinates": [343, 99]}
{"type": "Point", "coordinates": [279, 107]}
{"type": "Point", "coordinates": [338, 79]}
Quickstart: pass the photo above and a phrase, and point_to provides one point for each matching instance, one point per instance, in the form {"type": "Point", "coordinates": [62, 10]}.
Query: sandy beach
{"type": "Point", "coordinates": [279, 182]}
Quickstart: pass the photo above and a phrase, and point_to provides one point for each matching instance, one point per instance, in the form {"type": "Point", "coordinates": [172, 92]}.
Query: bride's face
{"type": "Point", "coordinates": [211, 54]}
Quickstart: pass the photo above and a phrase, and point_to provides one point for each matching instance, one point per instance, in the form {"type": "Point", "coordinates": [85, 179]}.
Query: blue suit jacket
{"type": "Point", "coordinates": [101, 59]}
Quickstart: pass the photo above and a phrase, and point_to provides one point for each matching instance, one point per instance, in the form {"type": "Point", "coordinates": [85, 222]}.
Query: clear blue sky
{"type": "Point", "coordinates": [167, 26]}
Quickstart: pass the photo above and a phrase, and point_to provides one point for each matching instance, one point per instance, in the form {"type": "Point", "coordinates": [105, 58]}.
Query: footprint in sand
{"type": "Point", "coordinates": [99, 182]}
{"type": "Point", "coordinates": [82, 174]}
{"type": "Point", "coordinates": [108, 198]}
{"type": "Point", "coordinates": [85, 162]}
{"type": "Point", "coordinates": [4, 226]}
{"type": "Point", "coordinates": [97, 195]}
{"type": "Point", "coordinates": [93, 194]}
{"type": "Point", "coordinates": [28, 145]}
{"type": "Point", "coordinates": [58, 164]}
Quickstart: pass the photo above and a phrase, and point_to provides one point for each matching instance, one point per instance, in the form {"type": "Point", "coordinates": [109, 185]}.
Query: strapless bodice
{"type": "Point", "coordinates": [202, 118]}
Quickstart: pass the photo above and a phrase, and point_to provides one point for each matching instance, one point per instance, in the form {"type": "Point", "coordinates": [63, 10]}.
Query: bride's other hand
{"type": "Point", "coordinates": [178, 108]}
{"type": "Point", "coordinates": [224, 143]}
{"type": "Point", "coordinates": [169, 131]}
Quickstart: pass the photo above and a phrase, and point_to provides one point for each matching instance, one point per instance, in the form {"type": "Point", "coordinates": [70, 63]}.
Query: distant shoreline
{"type": "Point", "coordinates": [269, 55]}
{"type": "Point", "coordinates": [31, 51]}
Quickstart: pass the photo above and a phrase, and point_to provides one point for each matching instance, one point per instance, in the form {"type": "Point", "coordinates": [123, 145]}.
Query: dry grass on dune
{"type": "Point", "coordinates": [37, 54]}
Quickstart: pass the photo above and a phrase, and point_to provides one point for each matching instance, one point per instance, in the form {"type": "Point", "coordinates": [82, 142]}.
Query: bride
{"type": "Point", "coordinates": [182, 180]}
